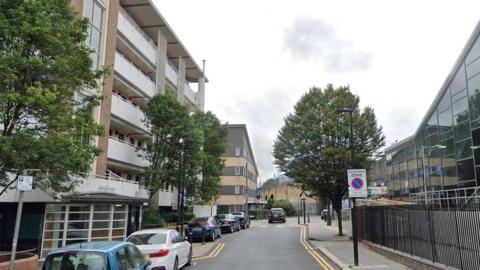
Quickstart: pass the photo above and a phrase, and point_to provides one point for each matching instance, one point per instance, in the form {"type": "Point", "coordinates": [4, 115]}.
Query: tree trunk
{"type": "Point", "coordinates": [339, 220]}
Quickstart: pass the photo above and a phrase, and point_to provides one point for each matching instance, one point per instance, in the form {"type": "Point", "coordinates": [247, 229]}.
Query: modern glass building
{"type": "Point", "coordinates": [444, 152]}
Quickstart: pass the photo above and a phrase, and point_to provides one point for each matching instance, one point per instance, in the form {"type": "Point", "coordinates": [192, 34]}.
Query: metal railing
{"type": "Point", "coordinates": [451, 238]}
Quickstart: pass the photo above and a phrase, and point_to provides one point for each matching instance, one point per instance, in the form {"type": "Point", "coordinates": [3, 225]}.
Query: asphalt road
{"type": "Point", "coordinates": [264, 247]}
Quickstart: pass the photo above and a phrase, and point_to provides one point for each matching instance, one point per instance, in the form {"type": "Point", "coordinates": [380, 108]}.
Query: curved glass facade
{"type": "Point", "coordinates": [446, 148]}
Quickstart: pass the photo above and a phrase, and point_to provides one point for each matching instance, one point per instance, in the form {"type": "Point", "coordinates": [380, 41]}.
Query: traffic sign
{"type": "Point", "coordinates": [357, 183]}
{"type": "Point", "coordinates": [303, 195]}
{"type": "Point", "coordinates": [25, 183]}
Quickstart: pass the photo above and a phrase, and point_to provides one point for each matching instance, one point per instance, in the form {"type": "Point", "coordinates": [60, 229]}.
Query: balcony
{"type": "Point", "coordinates": [133, 75]}
{"type": "Point", "coordinates": [128, 112]}
{"type": "Point", "coordinates": [190, 95]}
{"type": "Point", "coordinates": [137, 38]}
{"type": "Point", "coordinates": [171, 74]}
{"type": "Point", "coordinates": [125, 153]}
{"type": "Point", "coordinates": [112, 185]}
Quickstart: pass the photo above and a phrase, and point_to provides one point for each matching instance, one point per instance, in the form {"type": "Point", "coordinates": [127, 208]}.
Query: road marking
{"type": "Point", "coordinates": [279, 226]}
{"type": "Point", "coordinates": [212, 254]}
{"type": "Point", "coordinates": [263, 226]}
{"type": "Point", "coordinates": [312, 250]}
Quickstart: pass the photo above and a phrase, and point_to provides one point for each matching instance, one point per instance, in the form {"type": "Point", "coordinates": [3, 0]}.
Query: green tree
{"type": "Point", "coordinates": [286, 205]}
{"type": "Point", "coordinates": [313, 145]}
{"type": "Point", "coordinates": [169, 123]}
{"type": "Point", "coordinates": [48, 91]}
{"type": "Point", "coordinates": [270, 183]}
{"type": "Point", "coordinates": [214, 144]}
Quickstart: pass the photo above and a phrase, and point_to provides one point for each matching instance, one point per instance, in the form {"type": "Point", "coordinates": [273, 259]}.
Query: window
{"type": "Point", "coordinates": [459, 81]}
{"type": "Point", "coordinates": [121, 136]}
{"type": "Point", "coordinates": [237, 170]}
{"type": "Point", "coordinates": [237, 151]}
{"type": "Point", "coordinates": [132, 141]}
{"type": "Point", "coordinates": [94, 13]}
{"type": "Point", "coordinates": [465, 170]}
{"type": "Point", "coordinates": [474, 52]}
{"type": "Point", "coordinates": [237, 189]}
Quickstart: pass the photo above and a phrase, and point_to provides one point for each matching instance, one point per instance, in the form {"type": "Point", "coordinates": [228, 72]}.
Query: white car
{"type": "Point", "coordinates": [166, 249]}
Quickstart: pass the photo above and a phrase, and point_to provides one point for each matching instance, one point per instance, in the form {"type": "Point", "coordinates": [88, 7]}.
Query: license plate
{"type": "Point", "coordinates": [146, 257]}
{"type": "Point", "coordinates": [197, 229]}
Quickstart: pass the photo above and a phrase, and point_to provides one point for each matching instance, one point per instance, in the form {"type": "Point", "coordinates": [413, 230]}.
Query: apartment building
{"type": "Point", "coordinates": [146, 58]}
{"type": "Point", "coordinates": [239, 179]}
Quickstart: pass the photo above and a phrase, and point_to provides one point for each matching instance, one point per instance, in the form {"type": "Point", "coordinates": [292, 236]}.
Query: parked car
{"type": "Point", "coordinates": [228, 223]}
{"type": "Point", "coordinates": [207, 226]}
{"type": "Point", "coordinates": [111, 255]}
{"type": "Point", "coordinates": [165, 248]}
{"type": "Point", "coordinates": [276, 214]}
{"type": "Point", "coordinates": [243, 219]}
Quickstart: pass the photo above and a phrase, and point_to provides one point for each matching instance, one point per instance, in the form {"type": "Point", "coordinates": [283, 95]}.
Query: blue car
{"type": "Point", "coordinates": [206, 226]}
{"type": "Point", "coordinates": [108, 255]}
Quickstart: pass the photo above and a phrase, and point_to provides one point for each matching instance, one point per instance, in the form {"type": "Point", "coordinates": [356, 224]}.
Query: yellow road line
{"type": "Point", "coordinates": [212, 254]}
{"type": "Point", "coordinates": [312, 251]}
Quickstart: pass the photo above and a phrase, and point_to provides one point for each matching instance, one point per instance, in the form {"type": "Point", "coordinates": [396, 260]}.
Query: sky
{"type": "Point", "coordinates": [262, 56]}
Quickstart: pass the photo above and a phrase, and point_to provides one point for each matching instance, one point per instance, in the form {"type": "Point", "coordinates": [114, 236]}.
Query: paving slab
{"type": "Point", "coordinates": [339, 249]}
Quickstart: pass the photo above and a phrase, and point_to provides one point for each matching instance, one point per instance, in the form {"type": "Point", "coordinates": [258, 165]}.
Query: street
{"type": "Point", "coordinates": [263, 246]}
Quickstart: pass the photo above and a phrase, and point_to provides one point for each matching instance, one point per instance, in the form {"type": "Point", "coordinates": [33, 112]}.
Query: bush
{"type": "Point", "coordinates": [172, 217]}
{"type": "Point", "coordinates": [259, 214]}
{"type": "Point", "coordinates": [286, 205]}
{"type": "Point", "coordinates": [151, 218]}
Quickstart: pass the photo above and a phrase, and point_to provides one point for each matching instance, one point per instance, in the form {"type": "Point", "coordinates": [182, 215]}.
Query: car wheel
{"type": "Point", "coordinates": [269, 222]}
{"type": "Point", "coordinates": [175, 264]}
{"type": "Point", "coordinates": [213, 236]}
{"type": "Point", "coordinates": [190, 255]}
{"type": "Point", "coordinates": [231, 229]}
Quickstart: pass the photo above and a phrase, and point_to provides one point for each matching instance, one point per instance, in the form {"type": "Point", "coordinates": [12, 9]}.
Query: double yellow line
{"type": "Point", "coordinates": [312, 251]}
{"type": "Point", "coordinates": [212, 254]}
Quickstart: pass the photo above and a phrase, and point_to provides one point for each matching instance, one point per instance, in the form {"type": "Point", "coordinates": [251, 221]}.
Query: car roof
{"type": "Point", "coordinates": [153, 231]}
{"type": "Point", "coordinates": [101, 246]}
{"type": "Point", "coordinates": [275, 209]}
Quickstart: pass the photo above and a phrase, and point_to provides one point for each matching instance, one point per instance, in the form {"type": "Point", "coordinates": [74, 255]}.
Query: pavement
{"type": "Point", "coordinates": [278, 246]}
{"type": "Point", "coordinates": [339, 249]}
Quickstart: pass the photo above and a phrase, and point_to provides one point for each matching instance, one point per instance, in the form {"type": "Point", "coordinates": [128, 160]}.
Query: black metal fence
{"type": "Point", "coordinates": [451, 238]}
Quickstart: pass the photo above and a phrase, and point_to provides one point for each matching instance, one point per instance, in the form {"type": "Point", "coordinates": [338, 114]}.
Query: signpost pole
{"type": "Point", "coordinates": [24, 183]}
{"type": "Point", "coordinates": [354, 231]}
{"type": "Point", "coordinates": [17, 229]}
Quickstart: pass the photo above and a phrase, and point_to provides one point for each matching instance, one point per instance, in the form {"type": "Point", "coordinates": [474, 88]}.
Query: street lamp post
{"type": "Point", "coordinates": [352, 160]}
{"type": "Point", "coordinates": [181, 175]}
{"type": "Point", "coordinates": [437, 146]}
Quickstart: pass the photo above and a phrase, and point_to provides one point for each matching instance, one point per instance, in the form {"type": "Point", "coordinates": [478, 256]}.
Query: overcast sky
{"type": "Point", "coordinates": [263, 55]}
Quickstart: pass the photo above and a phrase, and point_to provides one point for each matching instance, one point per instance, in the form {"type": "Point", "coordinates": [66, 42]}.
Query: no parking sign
{"type": "Point", "coordinates": [357, 183]}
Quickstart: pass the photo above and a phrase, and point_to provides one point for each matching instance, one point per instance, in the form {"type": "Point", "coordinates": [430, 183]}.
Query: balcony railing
{"type": "Point", "coordinates": [190, 94]}
{"type": "Point", "coordinates": [137, 37]}
{"type": "Point", "coordinates": [134, 75]}
{"type": "Point", "coordinates": [124, 152]}
{"type": "Point", "coordinates": [128, 112]}
{"type": "Point", "coordinates": [112, 185]}
{"type": "Point", "coordinates": [171, 73]}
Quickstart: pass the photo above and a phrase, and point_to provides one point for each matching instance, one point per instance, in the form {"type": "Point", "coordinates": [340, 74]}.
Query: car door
{"type": "Point", "coordinates": [177, 245]}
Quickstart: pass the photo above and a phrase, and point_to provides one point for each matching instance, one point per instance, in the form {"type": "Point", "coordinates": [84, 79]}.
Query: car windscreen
{"type": "Point", "coordinates": [237, 214]}
{"type": "Point", "coordinates": [277, 211]}
{"type": "Point", "coordinates": [72, 260]}
{"type": "Point", "coordinates": [201, 219]}
{"type": "Point", "coordinates": [148, 239]}
{"type": "Point", "coordinates": [220, 217]}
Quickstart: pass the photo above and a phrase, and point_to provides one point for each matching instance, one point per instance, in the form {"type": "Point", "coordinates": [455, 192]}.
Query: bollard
{"type": "Point", "coordinates": [308, 214]}
{"type": "Point", "coordinates": [203, 237]}
{"type": "Point", "coordinates": [298, 216]}
{"type": "Point", "coordinates": [307, 232]}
